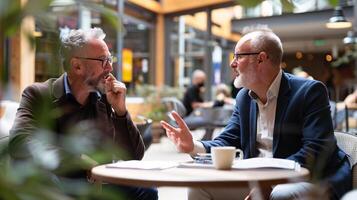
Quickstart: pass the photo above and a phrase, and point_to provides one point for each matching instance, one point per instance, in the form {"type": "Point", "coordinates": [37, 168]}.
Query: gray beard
{"type": "Point", "coordinates": [236, 83]}
{"type": "Point", "coordinates": [100, 87]}
{"type": "Point", "coordinates": [95, 85]}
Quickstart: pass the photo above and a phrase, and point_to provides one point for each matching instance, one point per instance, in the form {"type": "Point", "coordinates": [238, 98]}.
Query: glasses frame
{"type": "Point", "coordinates": [236, 56]}
{"type": "Point", "coordinates": [104, 61]}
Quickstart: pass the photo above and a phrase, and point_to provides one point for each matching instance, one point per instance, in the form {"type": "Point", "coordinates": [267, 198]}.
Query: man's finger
{"type": "Point", "coordinates": [118, 86]}
{"type": "Point", "coordinates": [179, 120]}
{"type": "Point", "coordinates": [167, 126]}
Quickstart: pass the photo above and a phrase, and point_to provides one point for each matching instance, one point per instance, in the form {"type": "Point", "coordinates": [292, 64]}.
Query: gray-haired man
{"type": "Point", "coordinates": [85, 92]}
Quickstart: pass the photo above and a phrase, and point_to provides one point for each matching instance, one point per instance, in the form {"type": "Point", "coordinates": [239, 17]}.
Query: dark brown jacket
{"type": "Point", "coordinates": [64, 112]}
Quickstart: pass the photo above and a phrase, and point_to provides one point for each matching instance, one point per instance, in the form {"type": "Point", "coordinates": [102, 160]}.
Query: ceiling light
{"type": "Point", "coordinates": [338, 20]}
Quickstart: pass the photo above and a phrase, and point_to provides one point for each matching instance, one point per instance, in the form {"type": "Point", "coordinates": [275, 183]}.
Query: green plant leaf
{"type": "Point", "coordinates": [288, 6]}
{"type": "Point", "coordinates": [333, 2]}
{"type": "Point", "coordinates": [108, 14]}
{"type": "Point", "coordinates": [249, 3]}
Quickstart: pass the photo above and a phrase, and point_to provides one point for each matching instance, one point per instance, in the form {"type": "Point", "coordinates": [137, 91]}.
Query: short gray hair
{"type": "Point", "coordinates": [269, 42]}
{"type": "Point", "coordinates": [74, 39]}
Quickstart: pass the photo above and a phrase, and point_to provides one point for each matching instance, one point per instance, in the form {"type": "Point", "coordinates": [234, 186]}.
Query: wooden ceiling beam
{"type": "Point", "coordinates": [176, 6]}
{"type": "Point", "coordinates": [173, 6]}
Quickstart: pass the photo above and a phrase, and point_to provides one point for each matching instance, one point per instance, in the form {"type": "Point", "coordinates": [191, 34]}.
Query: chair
{"type": "Point", "coordinates": [341, 118]}
{"type": "Point", "coordinates": [145, 130]}
{"type": "Point", "coordinates": [348, 143]}
{"type": "Point", "coordinates": [209, 119]}
{"type": "Point", "coordinates": [333, 109]}
{"type": "Point", "coordinates": [7, 116]}
{"type": "Point", "coordinates": [174, 104]}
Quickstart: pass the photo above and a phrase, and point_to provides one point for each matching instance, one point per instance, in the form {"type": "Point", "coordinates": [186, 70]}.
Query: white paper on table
{"type": "Point", "coordinates": [253, 163]}
{"type": "Point", "coordinates": [138, 164]}
{"type": "Point", "coordinates": [193, 164]}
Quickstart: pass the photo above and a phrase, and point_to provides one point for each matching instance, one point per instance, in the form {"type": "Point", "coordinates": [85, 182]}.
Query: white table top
{"type": "Point", "coordinates": [197, 177]}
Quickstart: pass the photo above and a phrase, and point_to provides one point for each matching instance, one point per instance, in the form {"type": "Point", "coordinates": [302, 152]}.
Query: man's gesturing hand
{"type": "Point", "coordinates": [181, 136]}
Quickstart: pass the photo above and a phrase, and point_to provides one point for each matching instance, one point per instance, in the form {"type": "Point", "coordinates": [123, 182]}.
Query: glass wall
{"type": "Point", "coordinates": [189, 46]}
{"type": "Point", "coordinates": [137, 34]}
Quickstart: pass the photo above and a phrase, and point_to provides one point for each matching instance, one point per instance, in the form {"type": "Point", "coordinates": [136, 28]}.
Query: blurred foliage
{"type": "Point", "coordinates": [349, 56]}
{"type": "Point", "coordinates": [40, 175]}
{"type": "Point", "coordinates": [42, 161]}
{"type": "Point", "coordinates": [46, 156]}
{"type": "Point", "coordinates": [152, 96]}
{"type": "Point", "coordinates": [288, 5]}
{"type": "Point", "coordinates": [51, 156]}
{"type": "Point", "coordinates": [12, 14]}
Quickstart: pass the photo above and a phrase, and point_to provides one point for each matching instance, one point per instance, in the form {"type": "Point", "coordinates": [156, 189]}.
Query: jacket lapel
{"type": "Point", "coordinates": [253, 128]}
{"type": "Point", "coordinates": [282, 102]}
{"type": "Point", "coordinates": [57, 90]}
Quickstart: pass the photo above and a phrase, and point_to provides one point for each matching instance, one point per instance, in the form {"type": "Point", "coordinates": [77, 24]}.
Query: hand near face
{"type": "Point", "coordinates": [116, 92]}
{"type": "Point", "coordinates": [181, 136]}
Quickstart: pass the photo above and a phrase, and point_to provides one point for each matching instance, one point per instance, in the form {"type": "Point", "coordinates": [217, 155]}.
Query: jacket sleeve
{"type": "Point", "coordinates": [230, 136]}
{"type": "Point", "coordinates": [128, 137]}
{"type": "Point", "coordinates": [318, 141]}
{"type": "Point", "coordinates": [26, 121]}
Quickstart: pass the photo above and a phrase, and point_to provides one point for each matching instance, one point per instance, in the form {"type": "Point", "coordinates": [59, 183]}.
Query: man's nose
{"type": "Point", "coordinates": [234, 63]}
{"type": "Point", "coordinates": [108, 67]}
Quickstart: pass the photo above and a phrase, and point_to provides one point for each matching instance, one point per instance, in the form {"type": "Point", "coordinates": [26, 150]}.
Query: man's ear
{"type": "Point", "coordinates": [262, 57]}
{"type": "Point", "coordinates": [75, 64]}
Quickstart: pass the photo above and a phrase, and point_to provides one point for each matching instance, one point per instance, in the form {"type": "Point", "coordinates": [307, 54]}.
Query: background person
{"type": "Point", "coordinates": [86, 92]}
{"type": "Point", "coordinates": [276, 115]}
{"type": "Point", "coordinates": [223, 96]}
{"type": "Point", "coordinates": [193, 98]}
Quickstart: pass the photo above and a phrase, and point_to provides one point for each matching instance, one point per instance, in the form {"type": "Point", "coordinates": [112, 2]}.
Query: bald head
{"type": "Point", "coordinates": [267, 41]}
{"type": "Point", "coordinates": [198, 77]}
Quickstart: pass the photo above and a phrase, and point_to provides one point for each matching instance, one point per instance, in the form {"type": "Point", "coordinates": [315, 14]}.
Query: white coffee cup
{"type": "Point", "coordinates": [223, 157]}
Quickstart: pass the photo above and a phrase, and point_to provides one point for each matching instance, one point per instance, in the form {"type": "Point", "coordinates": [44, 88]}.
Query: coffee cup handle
{"type": "Point", "coordinates": [241, 156]}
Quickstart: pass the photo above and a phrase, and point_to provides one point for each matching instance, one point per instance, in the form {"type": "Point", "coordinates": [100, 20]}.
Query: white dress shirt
{"type": "Point", "coordinates": [266, 119]}
{"type": "Point", "coordinates": [265, 122]}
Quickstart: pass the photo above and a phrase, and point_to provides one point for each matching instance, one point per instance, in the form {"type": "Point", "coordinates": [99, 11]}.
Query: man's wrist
{"type": "Point", "coordinates": [197, 148]}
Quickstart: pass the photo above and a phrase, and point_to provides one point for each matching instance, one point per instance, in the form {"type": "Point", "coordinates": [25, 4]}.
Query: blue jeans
{"type": "Point", "coordinates": [132, 193]}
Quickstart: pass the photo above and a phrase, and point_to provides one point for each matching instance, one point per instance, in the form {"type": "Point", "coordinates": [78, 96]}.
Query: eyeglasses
{"type": "Point", "coordinates": [240, 55]}
{"type": "Point", "coordinates": [104, 61]}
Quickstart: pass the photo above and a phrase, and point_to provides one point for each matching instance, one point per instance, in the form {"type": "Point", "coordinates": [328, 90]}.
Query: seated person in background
{"type": "Point", "coordinates": [298, 71]}
{"type": "Point", "coordinates": [351, 100]}
{"type": "Point", "coordinates": [85, 92]}
{"type": "Point", "coordinates": [192, 98]}
{"type": "Point", "coordinates": [223, 96]}
{"type": "Point", "coordinates": [276, 115]}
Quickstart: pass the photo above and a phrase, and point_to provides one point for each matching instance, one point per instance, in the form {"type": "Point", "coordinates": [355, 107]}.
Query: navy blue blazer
{"type": "Point", "coordinates": [303, 131]}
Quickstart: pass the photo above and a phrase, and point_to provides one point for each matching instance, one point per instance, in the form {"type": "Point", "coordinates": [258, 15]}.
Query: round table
{"type": "Point", "coordinates": [197, 177]}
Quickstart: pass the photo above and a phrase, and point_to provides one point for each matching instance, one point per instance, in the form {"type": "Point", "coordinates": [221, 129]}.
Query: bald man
{"type": "Point", "coordinates": [276, 115]}
{"type": "Point", "coordinates": [193, 96]}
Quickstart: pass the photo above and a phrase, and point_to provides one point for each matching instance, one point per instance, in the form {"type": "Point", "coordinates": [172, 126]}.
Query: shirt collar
{"type": "Point", "coordinates": [67, 89]}
{"type": "Point", "coordinates": [273, 89]}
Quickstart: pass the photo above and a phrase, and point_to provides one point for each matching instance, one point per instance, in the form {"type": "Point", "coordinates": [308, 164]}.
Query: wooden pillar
{"type": "Point", "coordinates": [22, 57]}
{"type": "Point", "coordinates": [160, 51]}
{"type": "Point", "coordinates": [208, 56]}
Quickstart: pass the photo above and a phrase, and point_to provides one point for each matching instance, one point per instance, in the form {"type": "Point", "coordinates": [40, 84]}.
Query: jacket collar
{"type": "Point", "coordinates": [58, 87]}
{"type": "Point", "coordinates": [283, 99]}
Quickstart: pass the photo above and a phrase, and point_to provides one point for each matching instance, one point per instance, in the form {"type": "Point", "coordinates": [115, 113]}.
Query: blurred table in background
{"type": "Point", "coordinates": [209, 119]}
